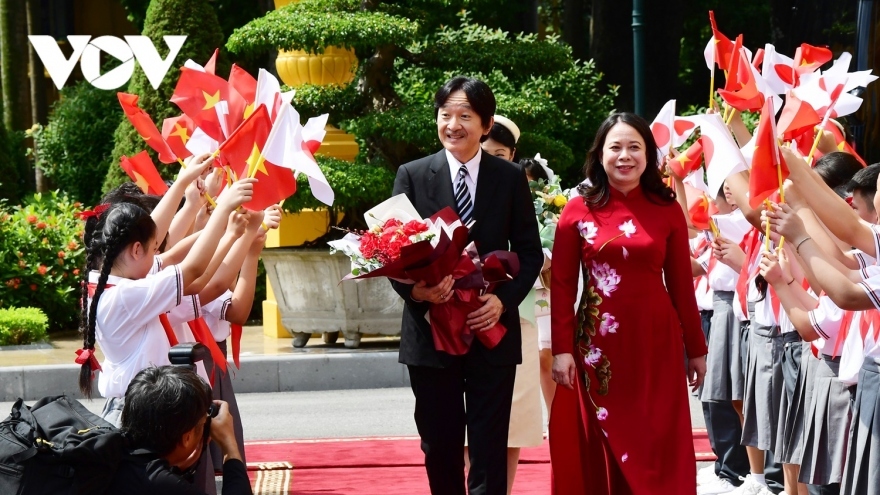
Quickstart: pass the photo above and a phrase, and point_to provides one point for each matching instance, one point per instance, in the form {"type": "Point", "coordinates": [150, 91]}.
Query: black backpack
{"type": "Point", "coordinates": [57, 446]}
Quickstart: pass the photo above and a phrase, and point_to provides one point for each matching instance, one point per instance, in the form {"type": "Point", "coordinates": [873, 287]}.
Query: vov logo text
{"type": "Point", "coordinates": [88, 52]}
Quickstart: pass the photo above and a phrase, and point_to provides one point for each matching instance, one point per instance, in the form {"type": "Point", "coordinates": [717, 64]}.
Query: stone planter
{"type": "Point", "coordinates": [311, 299]}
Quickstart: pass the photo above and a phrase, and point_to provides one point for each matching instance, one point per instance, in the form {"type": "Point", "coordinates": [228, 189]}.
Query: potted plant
{"type": "Point", "coordinates": [305, 279]}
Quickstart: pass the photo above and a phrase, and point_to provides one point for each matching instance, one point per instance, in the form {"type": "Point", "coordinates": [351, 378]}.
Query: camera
{"type": "Point", "coordinates": [187, 354]}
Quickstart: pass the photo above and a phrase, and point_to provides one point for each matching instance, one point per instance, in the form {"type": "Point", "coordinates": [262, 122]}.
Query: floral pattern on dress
{"type": "Point", "coordinates": [600, 279]}
{"type": "Point", "coordinates": [627, 228]}
{"type": "Point", "coordinates": [606, 278]}
{"type": "Point", "coordinates": [608, 325]}
{"type": "Point", "coordinates": [588, 231]}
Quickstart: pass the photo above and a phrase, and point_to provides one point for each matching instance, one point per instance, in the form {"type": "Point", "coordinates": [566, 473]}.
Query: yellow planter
{"type": "Point", "coordinates": [335, 66]}
{"type": "Point", "coordinates": [297, 229]}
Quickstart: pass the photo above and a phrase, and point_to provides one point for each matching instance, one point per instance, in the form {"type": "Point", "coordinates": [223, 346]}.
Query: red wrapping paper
{"type": "Point", "coordinates": [473, 277]}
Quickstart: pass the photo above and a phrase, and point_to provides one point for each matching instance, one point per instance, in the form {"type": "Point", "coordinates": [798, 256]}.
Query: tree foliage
{"type": "Point", "coordinates": [75, 156]}
{"type": "Point", "coordinates": [194, 18]}
{"type": "Point", "coordinates": [406, 55]}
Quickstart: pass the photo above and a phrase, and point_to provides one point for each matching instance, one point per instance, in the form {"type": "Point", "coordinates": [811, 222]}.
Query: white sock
{"type": "Point", "coordinates": [759, 478]}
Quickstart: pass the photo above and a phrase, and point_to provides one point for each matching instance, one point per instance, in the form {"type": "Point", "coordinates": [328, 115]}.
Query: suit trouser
{"type": "Point", "coordinates": [469, 393]}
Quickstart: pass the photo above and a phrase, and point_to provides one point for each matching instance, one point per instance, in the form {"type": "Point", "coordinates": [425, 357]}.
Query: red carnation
{"type": "Point", "coordinates": [34, 287]}
{"type": "Point", "coordinates": [414, 227]}
{"type": "Point", "coordinates": [61, 254]}
{"type": "Point", "coordinates": [42, 270]}
{"type": "Point", "coordinates": [41, 225]}
{"type": "Point", "coordinates": [72, 245]}
{"type": "Point", "coordinates": [31, 219]}
{"type": "Point", "coordinates": [76, 271]}
{"type": "Point", "coordinates": [369, 245]}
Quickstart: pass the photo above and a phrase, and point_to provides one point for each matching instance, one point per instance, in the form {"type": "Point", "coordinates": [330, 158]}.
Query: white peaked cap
{"type": "Point", "coordinates": [500, 119]}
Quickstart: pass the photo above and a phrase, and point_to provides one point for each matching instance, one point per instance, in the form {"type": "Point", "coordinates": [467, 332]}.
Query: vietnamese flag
{"type": "Point", "coordinates": [842, 145]}
{"type": "Point", "coordinates": [211, 64]}
{"type": "Point", "coordinates": [808, 58]}
{"type": "Point", "coordinates": [142, 172]}
{"type": "Point", "coordinates": [248, 139]}
{"type": "Point", "coordinates": [246, 86]}
{"type": "Point", "coordinates": [145, 127]}
{"type": "Point", "coordinates": [202, 97]}
{"type": "Point", "coordinates": [699, 207]}
{"type": "Point", "coordinates": [689, 161]}
{"type": "Point", "coordinates": [766, 178]}
{"type": "Point", "coordinates": [796, 118]}
{"type": "Point", "coordinates": [177, 131]}
{"type": "Point", "coordinates": [724, 48]}
{"type": "Point", "coordinates": [759, 59]}
{"type": "Point", "coordinates": [244, 153]}
{"type": "Point", "coordinates": [741, 89]}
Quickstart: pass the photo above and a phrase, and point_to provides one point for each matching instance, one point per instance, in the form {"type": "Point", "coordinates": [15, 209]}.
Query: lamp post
{"type": "Point", "coordinates": [638, 66]}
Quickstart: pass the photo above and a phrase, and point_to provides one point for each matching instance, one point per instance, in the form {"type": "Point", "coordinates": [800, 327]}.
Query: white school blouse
{"type": "Point", "coordinates": [127, 326]}
{"type": "Point", "coordinates": [215, 316]}
{"type": "Point", "coordinates": [871, 286]}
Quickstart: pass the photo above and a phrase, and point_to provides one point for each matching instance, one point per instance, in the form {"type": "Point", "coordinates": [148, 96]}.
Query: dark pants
{"type": "Point", "coordinates": [724, 430]}
{"type": "Point", "coordinates": [832, 489]}
{"type": "Point", "coordinates": [469, 393]}
{"type": "Point", "coordinates": [773, 473]}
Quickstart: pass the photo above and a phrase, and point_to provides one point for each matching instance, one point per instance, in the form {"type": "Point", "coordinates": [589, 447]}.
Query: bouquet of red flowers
{"type": "Point", "coordinates": [402, 246]}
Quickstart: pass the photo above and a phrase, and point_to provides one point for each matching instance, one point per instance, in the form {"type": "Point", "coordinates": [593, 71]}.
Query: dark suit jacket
{"type": "Point", "coordinates": [504, 220]}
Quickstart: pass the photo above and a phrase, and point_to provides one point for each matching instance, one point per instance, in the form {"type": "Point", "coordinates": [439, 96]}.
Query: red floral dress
{"type": "Point", "coordinates": [626, 428]}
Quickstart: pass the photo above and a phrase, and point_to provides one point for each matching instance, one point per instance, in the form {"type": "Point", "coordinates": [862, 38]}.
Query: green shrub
{"type": "Point", "coordinates": [357, 187]}
{"type": "Point", "coordinates": [76, 156]}
{"type": "Point", "coordinates": [194, 18]}
{"type": "Point", "coordinates": [19, 326]}
{"type": "Point", "coordinates": [41, 254]}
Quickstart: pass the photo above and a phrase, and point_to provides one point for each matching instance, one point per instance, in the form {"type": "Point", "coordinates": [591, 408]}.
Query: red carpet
{"type": "Point", "coordinates": [377, 466]}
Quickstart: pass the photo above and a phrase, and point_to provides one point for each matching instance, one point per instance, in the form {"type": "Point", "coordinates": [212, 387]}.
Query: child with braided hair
{"type": "Point", "coordinates": [123, 300]}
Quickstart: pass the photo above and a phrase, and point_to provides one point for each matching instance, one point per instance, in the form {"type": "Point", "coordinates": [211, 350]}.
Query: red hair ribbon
{"type": "Point", "coordinates": [84, 215]}
{"type": "Point", "coordinates": [83, 355]}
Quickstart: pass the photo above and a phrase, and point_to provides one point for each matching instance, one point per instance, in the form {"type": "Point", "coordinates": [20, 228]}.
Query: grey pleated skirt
{"type": "Point", "coordinates": [862, 470]}
{"type": "Point", "coordinates": [764, 384]}
{"type": "Point", "coordinates": [793, 403]}
{"type": "Point", "coordinates": [826, 424]}
{"type": "Point", "coordinates": [724, 375]}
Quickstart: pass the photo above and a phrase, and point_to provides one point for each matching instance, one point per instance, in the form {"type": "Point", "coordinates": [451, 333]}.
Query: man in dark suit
{"type": "Point", "coordinates": [474, 390]}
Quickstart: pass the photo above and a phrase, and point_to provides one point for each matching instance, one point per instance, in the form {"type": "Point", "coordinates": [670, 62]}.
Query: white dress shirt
{"type": "Point", "coordinates": [473, 168]}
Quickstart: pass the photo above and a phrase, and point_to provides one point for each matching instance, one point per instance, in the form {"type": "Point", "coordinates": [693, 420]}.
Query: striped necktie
{"type": "Point", "coordinates": [463, 197]}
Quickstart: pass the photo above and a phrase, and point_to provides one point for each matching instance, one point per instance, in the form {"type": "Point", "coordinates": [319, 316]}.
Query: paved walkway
{"type": "Point", "coordinates": [253, 343]}
{"type": "Point", "coordinates": [267, 365]}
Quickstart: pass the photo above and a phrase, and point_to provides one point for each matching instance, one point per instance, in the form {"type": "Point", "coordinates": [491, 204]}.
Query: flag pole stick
{"type": "Point", "coordinates": [730, 117]}
{"type": "Point", "coordinates": [815, 144]}
{"type": "Point", "coordinates": [769, 207]}
{"type": "Point", "coordinates": [712, 88]}
{"type": "Point", "coordinates": [781, 198]}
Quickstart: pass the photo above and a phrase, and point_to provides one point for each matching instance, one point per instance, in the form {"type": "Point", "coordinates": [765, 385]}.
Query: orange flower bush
{"type": "Point", "coordinates": [40, 255]}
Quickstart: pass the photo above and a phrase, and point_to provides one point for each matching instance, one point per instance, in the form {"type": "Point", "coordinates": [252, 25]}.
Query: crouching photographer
{"type": "Point", "coordinates": [167, 421]}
